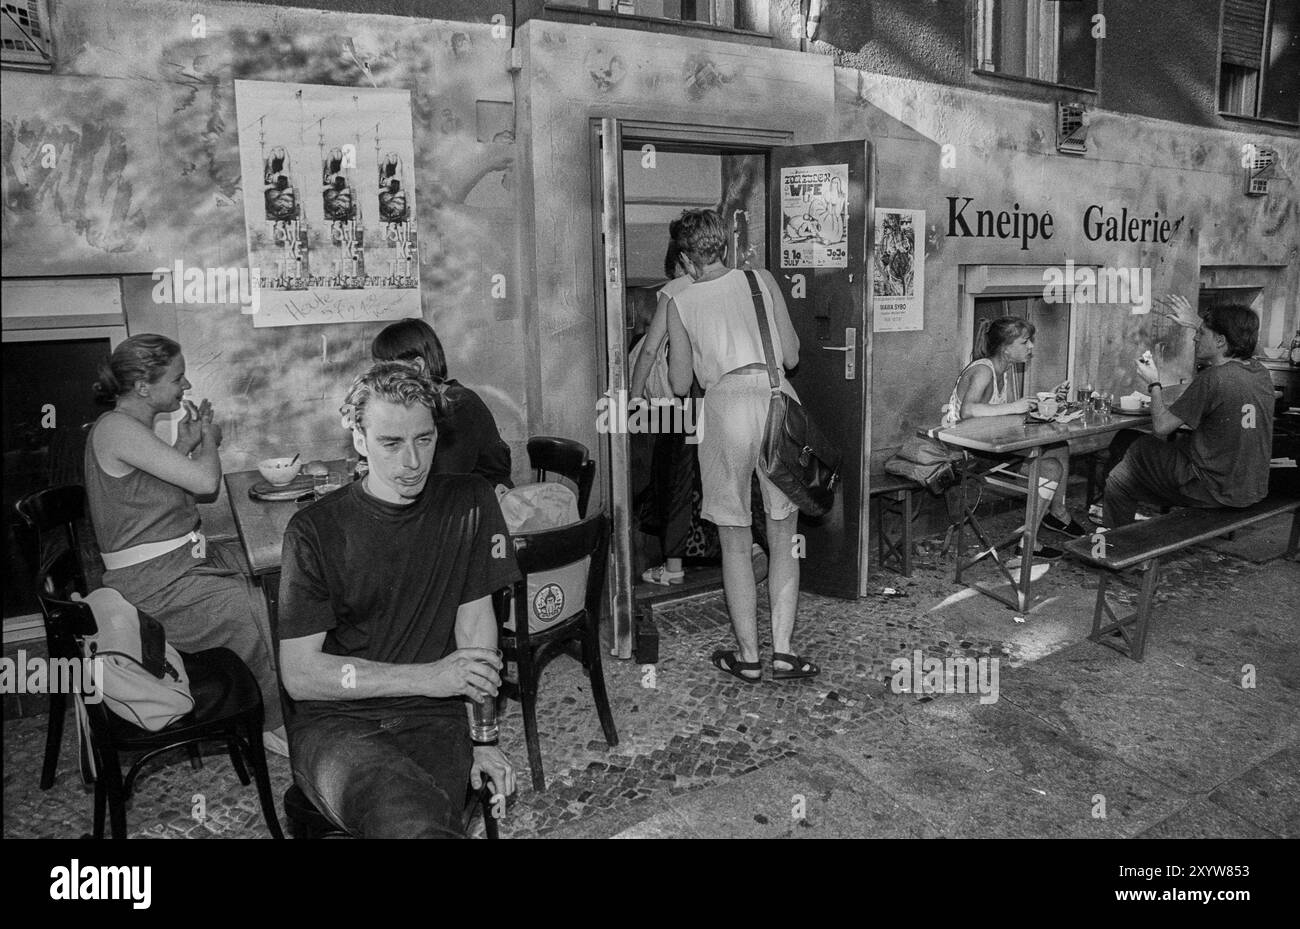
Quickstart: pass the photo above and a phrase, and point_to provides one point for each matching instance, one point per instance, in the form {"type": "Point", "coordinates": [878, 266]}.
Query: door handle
{"type": "Point", "coordinates": [850, 350]}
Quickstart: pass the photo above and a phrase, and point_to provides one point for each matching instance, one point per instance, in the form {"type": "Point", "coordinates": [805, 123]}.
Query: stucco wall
{"type": "Point", "coordinates": [1004, 153]}
{"type": "Point", "coordinates": [142, 114]}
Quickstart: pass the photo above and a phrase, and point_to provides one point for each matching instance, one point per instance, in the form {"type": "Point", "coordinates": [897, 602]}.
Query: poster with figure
{"type": "Point", "coordinates": [898, 271]}
{"type": "Point", "coordinates": [329, 204]}
{"type": "Point", "coordinates": [815, 216]}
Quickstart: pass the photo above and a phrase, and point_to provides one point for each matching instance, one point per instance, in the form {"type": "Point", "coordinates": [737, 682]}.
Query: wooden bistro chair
{"type": "Point", "coordinates": [227, 708]}
{"type": "Point", "coordinates": [49, 514]}
{"type": "Point", "coordinates": [530, 649]}
{"type": "Point", "coordinates": [566, 458]}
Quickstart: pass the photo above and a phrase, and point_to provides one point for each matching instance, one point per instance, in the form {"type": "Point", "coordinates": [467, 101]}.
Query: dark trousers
{"type": "Point", "coordinates": [1147, 475]}
{"type": "Point", "coordinates": [400, 777]}
{"type": "Point", "coordinates": [674, 478]}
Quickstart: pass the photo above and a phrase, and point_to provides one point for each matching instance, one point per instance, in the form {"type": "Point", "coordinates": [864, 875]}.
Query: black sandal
{"type": "Point", "coordinates": [800, 667]}
{"type": "Point", "coordinates": [726, 660]}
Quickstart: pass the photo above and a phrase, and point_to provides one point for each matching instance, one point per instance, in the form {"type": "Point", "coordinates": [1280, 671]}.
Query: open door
{"type": "Point", "coordinates": [610, 247]}
{"type": "Point", "coordinates": [820, 201]}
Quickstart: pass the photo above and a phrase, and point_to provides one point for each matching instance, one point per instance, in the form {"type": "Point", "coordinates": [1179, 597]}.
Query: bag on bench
{"type": "Point", "coordinates": [926, 461]}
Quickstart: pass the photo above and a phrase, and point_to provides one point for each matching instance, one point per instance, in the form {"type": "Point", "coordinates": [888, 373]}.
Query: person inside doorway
{"type": "Point", "coordinates": [714, 336]}
{"type": "Point", "coordinates": [985, 387]}
{"type": "Point", "coordinates": [673, 462]}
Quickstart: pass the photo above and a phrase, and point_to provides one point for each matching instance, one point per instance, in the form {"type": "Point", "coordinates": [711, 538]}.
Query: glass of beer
{"type": "Point", "coordinates": [484, 727]}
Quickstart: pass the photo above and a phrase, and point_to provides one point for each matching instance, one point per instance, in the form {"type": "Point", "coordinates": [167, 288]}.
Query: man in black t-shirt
{"type": "Point", "coordinates": [1224, 460]}
{"type": "Point", "coordinates": [386, 622]}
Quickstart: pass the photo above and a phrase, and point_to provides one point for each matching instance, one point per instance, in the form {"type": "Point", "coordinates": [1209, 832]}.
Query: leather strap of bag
{"type": "Point", "coordinates": [768, 353]}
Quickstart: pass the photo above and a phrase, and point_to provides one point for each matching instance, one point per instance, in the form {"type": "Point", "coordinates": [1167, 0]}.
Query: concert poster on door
{"type": "Point", "coordinates": [815, 216]}
{"type": "Point", "coordinates": [329, 202]}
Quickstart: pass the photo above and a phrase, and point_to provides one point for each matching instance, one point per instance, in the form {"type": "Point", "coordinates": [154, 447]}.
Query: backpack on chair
{"type": "Point", "coordinates": [141, 677]}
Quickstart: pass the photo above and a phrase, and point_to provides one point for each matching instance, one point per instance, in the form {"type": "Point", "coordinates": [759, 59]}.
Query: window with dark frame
{"type": "Point", "coordinates": [727, 14]}
{"type": "Point", "coordinates": [1043, 40]}
{"type": "Point", "coordinates": [1050, 363]}
{"type": "Point", "coordinates": [1259, 59]}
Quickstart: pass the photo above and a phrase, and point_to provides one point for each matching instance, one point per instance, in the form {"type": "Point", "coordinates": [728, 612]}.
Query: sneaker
{"type": "Point", "coordinates": [1043, 552]}
{"type": "Point", "coordinates": [1074, 529]}
{"type": "Point", "coordinates": [660, 574]}
{"type": "Point", "coordinates": [275, 742]}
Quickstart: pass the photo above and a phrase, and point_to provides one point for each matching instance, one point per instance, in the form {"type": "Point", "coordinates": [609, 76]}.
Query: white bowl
{"type": "Point", "coordinates": [279, 471]}
{"type": "Point", "coordinates": [1130, 404]}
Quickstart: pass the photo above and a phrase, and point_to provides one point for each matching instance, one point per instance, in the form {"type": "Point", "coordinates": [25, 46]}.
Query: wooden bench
{"type": "Point", "coordinates": [896, 546]}
{"type": "Point", "coordinates": [1141, 545]}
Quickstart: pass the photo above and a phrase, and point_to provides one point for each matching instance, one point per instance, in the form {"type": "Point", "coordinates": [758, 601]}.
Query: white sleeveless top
{"type": "Point", "coordinates": [952, 409]}
{"type": "Point", "coordinates": [719, 317]}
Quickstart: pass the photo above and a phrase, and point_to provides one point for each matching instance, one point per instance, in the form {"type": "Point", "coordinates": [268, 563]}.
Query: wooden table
{"type": "Point", "coordinates": [261, 527]}
{"type": "Point", "coordinates": [1020, 436]}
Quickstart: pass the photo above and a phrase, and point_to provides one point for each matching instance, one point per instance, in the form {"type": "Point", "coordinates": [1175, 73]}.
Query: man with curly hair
{"type": "Point", "coordinates": [386, 624]}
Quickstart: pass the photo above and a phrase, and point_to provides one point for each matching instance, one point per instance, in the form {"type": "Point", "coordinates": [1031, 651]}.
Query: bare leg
{"type": "Point", "coordinates": [1055, 469]}
{"type": "Point", "coordinates": [738, 584]}
{"type": "Point", "coordinates": [783, 581]}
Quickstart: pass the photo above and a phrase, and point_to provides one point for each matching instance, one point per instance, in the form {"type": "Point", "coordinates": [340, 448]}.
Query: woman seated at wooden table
{"type": "Point", "coordinates": [141, 495]}
{"type": "Point", "coordinates": [984, 388]}
{"type": "Point", "coordinates": [468, 439]}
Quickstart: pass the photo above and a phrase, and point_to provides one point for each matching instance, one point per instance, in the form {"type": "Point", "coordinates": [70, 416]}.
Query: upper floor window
{"type": "Point", "coordinates": [1046, 40]}
{"type": "Point", "coordinates": [1259, 59]}
{"type": "Point", "coordinates": [25, 35]}
{"type": "Point", "coordinates": [729, 14]}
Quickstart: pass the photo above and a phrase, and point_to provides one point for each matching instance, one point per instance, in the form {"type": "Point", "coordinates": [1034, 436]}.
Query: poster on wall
{"type": "Point", "coordinates": [329, 202]}
{"type": "Point", "coordinates": [815, 216]}
{"type": "Point", "coordinates": [898, 271]}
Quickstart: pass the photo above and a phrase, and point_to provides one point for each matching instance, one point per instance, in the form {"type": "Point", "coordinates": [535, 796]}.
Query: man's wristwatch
{"type": "Point", "coordinates": [1153, 385]}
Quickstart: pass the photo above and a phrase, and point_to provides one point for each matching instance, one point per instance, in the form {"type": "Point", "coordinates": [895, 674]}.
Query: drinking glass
{"type": "Point", "coordinates": [484, 727]}
{"type": "Point", "coordinates": [329, 482]}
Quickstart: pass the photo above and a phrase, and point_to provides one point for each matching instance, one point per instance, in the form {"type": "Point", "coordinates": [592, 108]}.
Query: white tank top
{"type": "Point", "coordinates": [952, 410]}
{"type": "Point", "coordinates": [719, 317]}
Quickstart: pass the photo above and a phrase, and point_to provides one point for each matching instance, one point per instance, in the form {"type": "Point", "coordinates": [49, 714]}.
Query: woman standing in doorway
{"type": "Point", "coordinates": [985, 387]}
{"type": "Point", "coordinates": [714, 335]}
{"type": "Point", "coordinates": [141, 494]}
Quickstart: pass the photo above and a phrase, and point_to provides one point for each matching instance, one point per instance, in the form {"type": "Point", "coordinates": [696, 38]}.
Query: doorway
{"type": "Point", "coordinates": [646, 174]}
{"type": "Point", "coordinates": [661, 180]}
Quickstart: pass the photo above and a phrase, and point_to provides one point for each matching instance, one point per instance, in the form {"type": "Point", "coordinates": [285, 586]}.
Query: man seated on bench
{"type": "Point", "coordinates": [1224, 460]}
{"type": "Point", "coordinates": [386, 622]}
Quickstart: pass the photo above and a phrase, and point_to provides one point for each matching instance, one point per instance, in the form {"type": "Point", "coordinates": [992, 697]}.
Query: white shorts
{"type": "Point", "coordinates": [731, 433]}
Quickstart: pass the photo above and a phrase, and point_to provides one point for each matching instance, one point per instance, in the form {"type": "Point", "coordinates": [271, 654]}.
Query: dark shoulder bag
{"type": "Point", "coordinates": [795, 456]}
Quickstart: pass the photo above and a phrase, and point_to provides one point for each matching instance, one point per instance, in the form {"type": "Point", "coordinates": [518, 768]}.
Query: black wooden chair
{"type": "Point", "coordinates": [47, 514]}
{"type": "Point", "coordinates": [531, 650]}
{"type": "Point", "coordinates": [227, 708]}
{"type": "Point", "coordinates": [548, 454]}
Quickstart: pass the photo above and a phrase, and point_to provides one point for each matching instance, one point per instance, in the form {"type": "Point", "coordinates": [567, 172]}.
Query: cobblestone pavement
{"type": "Point", "coordinates": [686, 729]}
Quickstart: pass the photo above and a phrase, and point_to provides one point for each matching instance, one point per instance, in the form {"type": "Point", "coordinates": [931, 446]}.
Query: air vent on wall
{"type": "Point", "coordinates": [1259, 169]}
{"type": "Point", "coordinates": [1071, 128]}
{"type": "Point", "coordinates": [25, 35]}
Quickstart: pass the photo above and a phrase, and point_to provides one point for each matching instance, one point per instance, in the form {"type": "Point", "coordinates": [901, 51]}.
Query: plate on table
{"type": "Point", "coordinates": [1144, 411]}
{"type": "Point", "coordinates": [297, 488]}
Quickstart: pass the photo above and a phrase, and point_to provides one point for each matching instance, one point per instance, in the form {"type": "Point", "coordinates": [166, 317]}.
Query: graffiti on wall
{"type": "Point", "coordinates": [73, 187]}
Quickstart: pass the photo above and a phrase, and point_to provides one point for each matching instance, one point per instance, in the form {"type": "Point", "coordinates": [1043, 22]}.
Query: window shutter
{"type": "Point", "coordinates": [1243, 31]}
